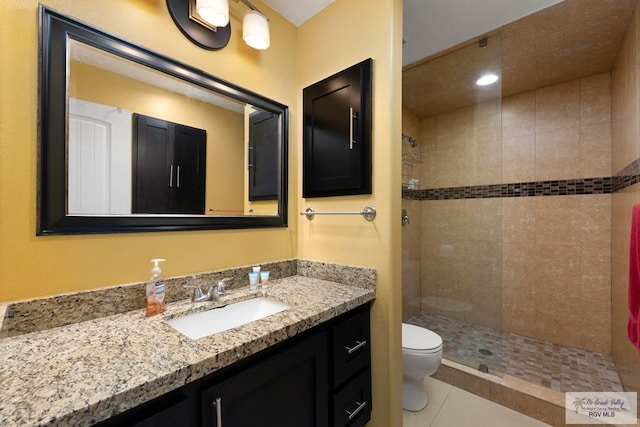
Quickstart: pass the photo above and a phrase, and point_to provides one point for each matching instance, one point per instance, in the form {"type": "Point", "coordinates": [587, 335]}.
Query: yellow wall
{"type": "Point", "coordinates": [346, 32]}
{"type": "Point", "coordinates": [225, 128]}
{"type": "Point", "coordinates": [33, 266]}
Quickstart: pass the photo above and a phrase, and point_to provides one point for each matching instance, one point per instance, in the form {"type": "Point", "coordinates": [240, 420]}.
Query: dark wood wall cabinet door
{"type": "Point", "coordinates": [337, 134]}
{"type": "Point", "coordinates": [263, 156]}
{"type": "Point", "coordinates": [169, 167]}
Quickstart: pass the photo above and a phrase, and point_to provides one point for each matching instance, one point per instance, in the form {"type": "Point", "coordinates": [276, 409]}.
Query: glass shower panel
{"type": "Point", "coordinates": [456, 213]}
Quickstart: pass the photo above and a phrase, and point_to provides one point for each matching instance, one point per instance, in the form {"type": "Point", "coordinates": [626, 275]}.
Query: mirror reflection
{"type": "Point", "coordinates": [131, 140]}
{"type": "Point", "coordinates": [141, 142]}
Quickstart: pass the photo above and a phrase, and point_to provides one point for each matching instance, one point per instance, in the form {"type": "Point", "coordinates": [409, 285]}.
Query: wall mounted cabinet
{"type": "Point", "coordinates": [169, 167]}
{"type": "Point", "coordinates": [337, 134]}
{"type": "Point", "coordinates": [263, 156]}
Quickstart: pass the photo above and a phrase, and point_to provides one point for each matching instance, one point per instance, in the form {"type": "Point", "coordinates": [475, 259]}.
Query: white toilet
{"type": "Point", "coordinates": [421, 356]}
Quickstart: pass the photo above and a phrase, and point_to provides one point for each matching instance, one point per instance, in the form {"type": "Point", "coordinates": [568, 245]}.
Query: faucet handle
{"type": "Point", "coordinates": [222, 285]}
{"type": "Point", "coordinates": [197, 292]}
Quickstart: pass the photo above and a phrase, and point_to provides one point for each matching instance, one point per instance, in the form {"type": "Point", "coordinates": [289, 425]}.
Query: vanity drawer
{"type": "Point", "coordinates": [351, 346]}
{"type": "Point", "coordinates": [352, 404]}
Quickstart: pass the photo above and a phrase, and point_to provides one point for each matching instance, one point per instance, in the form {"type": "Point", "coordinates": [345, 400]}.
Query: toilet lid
{"type": "Point", "coordinates": [417, 338]}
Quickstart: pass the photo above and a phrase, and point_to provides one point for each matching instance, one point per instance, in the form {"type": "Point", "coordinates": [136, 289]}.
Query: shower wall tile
{"type": "Point", "coordinates": [519, 115]}
{"type": "Point", "coordinates": [557, 153]}
{"type": "Point", "coordinates": [411, 156]}
{"type": "Point", "coordinates": [625, 93]}
{"type": "Point", "coordinates": [595, 100]}
{"type": "Point", "coordinates": [461, 276]}
{"type": "Point", "coordinates": [558, 107]}
{"type": "Point", "coordinates": [518, 157]}
{"type": "Point", "coordinates": [565, 262]}
{"type": "Point", "coordinates": [595, 150]}
{"type": "Point", "coordinates": [519, 220]}
{"type": "Point", "coordinates": [625, 151]}
{"type": "Point", "coordinates": [411, 260]}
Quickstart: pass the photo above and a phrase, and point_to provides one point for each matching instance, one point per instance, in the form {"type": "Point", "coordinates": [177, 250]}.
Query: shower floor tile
{"type": "Point", "coordinates": [554, 366]}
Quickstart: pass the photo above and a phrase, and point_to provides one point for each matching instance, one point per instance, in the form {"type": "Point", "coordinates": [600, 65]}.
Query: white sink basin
{"type": "Point", "coordinates": [203, 323]}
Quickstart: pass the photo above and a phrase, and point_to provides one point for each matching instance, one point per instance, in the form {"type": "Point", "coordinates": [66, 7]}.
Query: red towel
{"type": "Point", "coordinates": [633, 326]}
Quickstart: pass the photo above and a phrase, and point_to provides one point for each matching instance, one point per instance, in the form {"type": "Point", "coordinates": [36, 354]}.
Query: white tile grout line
{"type": "Point", "coordinates": [451, 387]}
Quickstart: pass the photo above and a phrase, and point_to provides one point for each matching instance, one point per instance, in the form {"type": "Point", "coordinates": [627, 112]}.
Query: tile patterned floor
{"type": "Point", "coordinates": [557, 367]}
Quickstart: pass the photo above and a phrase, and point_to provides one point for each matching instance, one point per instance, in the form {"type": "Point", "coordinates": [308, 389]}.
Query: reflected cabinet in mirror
{"type": "Point", "coordinates": [131, 140]}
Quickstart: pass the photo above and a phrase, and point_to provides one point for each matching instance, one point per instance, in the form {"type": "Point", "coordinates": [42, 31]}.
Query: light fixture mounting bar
{"type": "Point", "coordinates": [251, 5]}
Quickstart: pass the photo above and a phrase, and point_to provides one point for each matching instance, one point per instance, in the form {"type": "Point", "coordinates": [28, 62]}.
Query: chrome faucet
{"type": "Point", "coordinates": [213, 292]}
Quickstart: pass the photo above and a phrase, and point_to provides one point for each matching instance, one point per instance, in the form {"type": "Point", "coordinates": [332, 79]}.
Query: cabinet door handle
{"type": "Point", "coordinates": [359, 345]}
{"type": "Point", "coordinates": [360, 407]}
{"type": "Point", "coordinates": [218, 407]}
{"type": "Point", "coordinates": [171, 176]}
{"type": "Point", "coordinates": [351, 117]}
{"type": "Point", "coordinates": [178, 178]}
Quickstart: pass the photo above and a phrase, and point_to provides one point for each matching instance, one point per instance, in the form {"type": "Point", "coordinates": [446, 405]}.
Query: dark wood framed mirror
{"type": "Point", "coordinates": [198, 133]}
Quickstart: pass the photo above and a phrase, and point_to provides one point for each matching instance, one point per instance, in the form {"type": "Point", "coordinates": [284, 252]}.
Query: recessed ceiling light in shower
{"type": "Point", "coordinates": [487, 79]}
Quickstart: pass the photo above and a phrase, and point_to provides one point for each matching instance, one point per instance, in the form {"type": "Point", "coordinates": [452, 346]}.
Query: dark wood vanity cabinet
{"type": "Point", "coordinates": [336, 154]}
{"type": "Point", "coordinates": [169, 167]}
{"type": "Point", "coordinates": [319, 379]}
{"type": "Point", "coordinates": [287, 390]}
{"type": "Point", "coordinates": [351, 370]}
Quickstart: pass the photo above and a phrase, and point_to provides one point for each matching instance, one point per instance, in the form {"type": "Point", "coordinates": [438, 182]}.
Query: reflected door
{"type": "Point", "coordinates": [99, 159]}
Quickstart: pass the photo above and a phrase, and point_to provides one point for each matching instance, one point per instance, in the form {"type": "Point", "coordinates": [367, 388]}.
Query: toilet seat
{"type": "Point", "coordinates": [419, 340]}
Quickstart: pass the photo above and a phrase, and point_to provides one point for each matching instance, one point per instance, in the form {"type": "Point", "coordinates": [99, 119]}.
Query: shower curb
{"type": "Point", "coordinates": [535, 401]}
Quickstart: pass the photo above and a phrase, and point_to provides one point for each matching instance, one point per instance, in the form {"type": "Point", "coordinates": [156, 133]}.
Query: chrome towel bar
{"type": "Point", "coordinates": [369, 213]}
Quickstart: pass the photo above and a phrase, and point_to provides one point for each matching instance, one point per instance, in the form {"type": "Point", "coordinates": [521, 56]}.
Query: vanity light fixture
{"type": "Point", "coordinates": [206, 23]}
{"type": "Point", "coordinates": [215, 12]}
{"type": "Point", "coordinates": [487, 79]}
{"type": "Point", "coordinates": [255, 29]}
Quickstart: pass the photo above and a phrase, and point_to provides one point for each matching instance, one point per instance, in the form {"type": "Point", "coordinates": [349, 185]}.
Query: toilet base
{"type": "Point", "coordinates": [414, 396]}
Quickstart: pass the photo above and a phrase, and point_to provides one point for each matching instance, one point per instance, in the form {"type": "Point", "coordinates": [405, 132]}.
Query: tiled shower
{"type": "Point", "coordinates": [516, 247]}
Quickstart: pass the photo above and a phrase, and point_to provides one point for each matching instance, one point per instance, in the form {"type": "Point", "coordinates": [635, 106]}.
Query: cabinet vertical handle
{"type": "Point", "coordinates": [178, 178]}
{"type": "Point", "coordinates": [360, 407]}
{"type": "Point", "coordinates": [171, 176]}
{"type": "Point", "coordinates": [351, 117]}
{"type": "Point", "coordinates": [358, 346]}
{"type": "Point", "coordinates": [218, 406]}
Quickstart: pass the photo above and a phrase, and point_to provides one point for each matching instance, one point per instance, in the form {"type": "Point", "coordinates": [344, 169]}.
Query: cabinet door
{"type": "Point", "coordinates": [170, 410]}
{"type": "Point", "coordinates": [169, 167]}
{"type": "Point", "coordinates": [263, 156]}
{"type": "Point", "coordinates": [152, 165]}
{"type": "Point", "coordinates": [337, 134]}
{"type": "Point", "coordinates": [190, 157]}
{"type": "Point", "coordinates": [287, 390]}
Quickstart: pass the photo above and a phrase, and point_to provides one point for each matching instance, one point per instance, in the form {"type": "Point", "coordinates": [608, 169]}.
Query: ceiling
{"type": "Point", "coordinates": [570, 40]}
{"type": "Point", "coordinates": [531, 44]}
{"type": "Point", "coordinates": [297, 11]}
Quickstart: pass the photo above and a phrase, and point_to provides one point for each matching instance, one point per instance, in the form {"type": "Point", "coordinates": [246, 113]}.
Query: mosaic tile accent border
{"type": "Point", "coordinates": [628, 176]}
{"type": "Point", "coordinates": [520, 189]}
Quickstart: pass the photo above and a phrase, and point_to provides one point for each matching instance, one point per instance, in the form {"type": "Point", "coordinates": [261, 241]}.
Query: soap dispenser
{"type": "Point", "coordinates": [155, 290]}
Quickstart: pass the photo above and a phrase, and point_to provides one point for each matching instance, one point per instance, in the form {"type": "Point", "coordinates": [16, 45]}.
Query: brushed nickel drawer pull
{"type": "Point", "coordinates": [359, 345]}
{"type": "Point", "coordinates": [218, 405]}
{"type": "Point", "coordinates": [360, 407]}
{"type": "Point", "coordinates": [351, 117]}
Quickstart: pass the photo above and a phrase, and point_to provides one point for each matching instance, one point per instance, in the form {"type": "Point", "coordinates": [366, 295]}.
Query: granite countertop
{"type": "Point", "coordinates": [86, 372]}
